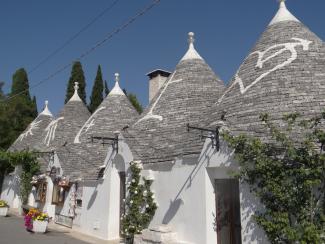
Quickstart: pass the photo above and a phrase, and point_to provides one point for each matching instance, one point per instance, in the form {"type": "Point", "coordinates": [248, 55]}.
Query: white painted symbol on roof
{"type": "Point", "coordinates": [89, 123]}
{"type": "Point", "coordinates": [150, 114]}
{"type": "Point", "coordinates": [50, 131]}
{"type": "Point", "coordinates": [290, 46]}
{"type": "Point", "coordinates": [32, 126]}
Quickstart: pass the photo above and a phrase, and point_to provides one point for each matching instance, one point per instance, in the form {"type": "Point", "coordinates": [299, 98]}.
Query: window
{"type": "Point", "coordinates": [58, 195]}
{"type": "Point", "coordinates": [79, 203]}
{"type": "Point", "coordinates": [41, 192]}
{"type": "Point", "coordinates": [79, 192]}
{"type": "Point", "coordinates": [228, 221]}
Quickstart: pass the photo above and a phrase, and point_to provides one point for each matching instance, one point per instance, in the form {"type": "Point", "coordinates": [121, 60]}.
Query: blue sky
{"type": "Point", "coordinates": [225, 31]}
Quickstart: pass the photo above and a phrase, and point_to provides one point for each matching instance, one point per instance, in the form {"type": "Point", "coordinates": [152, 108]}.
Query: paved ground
{"type": "Point", "coordinates": [12, 231]}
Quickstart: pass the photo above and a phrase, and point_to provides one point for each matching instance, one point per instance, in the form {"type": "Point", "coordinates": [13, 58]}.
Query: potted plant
{"type": "Point", "coordinates": [36, 221]}
{"type": "Point", "coordinates": [4, 207]}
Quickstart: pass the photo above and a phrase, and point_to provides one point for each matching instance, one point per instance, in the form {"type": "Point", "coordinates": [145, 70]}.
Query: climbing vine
{"type": "Point", "coordinates": [140, 205]}
{"type": "Point", "coordinates": [29, 164]}
{"type": "Point", "coordinates": [287, 173]}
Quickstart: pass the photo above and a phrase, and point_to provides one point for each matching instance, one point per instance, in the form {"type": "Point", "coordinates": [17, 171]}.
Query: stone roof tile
{"type": "Point", "coordinates": [160, 135]}
{"type": "Point", "coordinates": [284, 73]}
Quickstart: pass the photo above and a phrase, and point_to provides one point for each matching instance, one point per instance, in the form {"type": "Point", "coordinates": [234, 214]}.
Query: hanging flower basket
{"type": "Point", "coordinates": [64, 183]}
{"type": "Point", "coordinates": [3, 208]}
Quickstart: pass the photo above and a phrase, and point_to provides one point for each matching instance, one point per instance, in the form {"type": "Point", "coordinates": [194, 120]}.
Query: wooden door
{"type": "Point", "coordinates": [122, 196]}
{"type": "Point", "coordinates": [228, 221]}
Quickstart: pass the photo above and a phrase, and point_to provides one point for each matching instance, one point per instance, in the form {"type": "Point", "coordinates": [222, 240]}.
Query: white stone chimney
{"type": "Point", "coordinates": [156, 79]}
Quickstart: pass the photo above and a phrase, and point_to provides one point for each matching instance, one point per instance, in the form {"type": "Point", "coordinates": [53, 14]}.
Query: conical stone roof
{"type": "Point", "coordinates": [83, 158]}
{"type": "Point", "coordinates": [114, 113]}
{"type": "Point", "coordinates": [64, 128]}
{"type": "Point", "coordinates": [284, 73]}
{"type": "Point", "coordinates": [160, 135]}
{"type": "Point", "coordinates": [32, 137]}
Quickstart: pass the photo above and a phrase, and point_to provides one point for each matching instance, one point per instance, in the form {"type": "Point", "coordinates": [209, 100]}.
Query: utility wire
{"type": "Point", "coordinates": [52, 54]}
{"type": "Point", "coordinates": [89, 51]}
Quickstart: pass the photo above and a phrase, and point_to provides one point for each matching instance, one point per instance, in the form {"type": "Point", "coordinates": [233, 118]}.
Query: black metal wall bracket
{"type": "Point", "coordinates": [113, 141]}
{"type": "Point", "coordinates": [212, 134]}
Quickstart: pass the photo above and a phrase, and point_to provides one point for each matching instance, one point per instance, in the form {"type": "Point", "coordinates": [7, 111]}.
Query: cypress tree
{"type": "Point", "coordinates": [97, 92]}
{"type": "Point", "coordinates": [1, 91]}
{"type": "Point", "coordinates": [20, 110]}
{"type": "Point", "coordinates": [106, 89]}
{"type": "Point", "coordinates": [77, 75]}
{"type": "Point", "coordinates": [35, 112]}
{"type": "Point", "coordinates": [5, 128]}
{"type": "Point", "coordinates": [134, 101]}
{"type": "Point", "coordinates": [20, 83]}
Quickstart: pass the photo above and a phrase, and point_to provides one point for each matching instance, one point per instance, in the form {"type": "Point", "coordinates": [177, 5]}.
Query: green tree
{"type": "Point", "coordinates": [20, 84]}
{"type": "Point", "coordinates": [77, 75]}
{"type": "Point", "coordinates": [287, 173]}
{"type": "Point", "coordinates": [96, 97]}
{"type": "Point", "coordinates": [140, 206]}
{"type": "Point", "coordinates": [136, 104]}
{"type": "Point", "coordinates": [15, 116]}
{"type": "Point", "coordinates": [134, 101]}
{"type": "Point", "coordinates": [20, 110]}
{"type": "Point", "coordinates": [106, 89]}
{"type": "Point", "coordinates": [5, 166]}
{"type": "Point", "coordinates": [4, 122]}
{"type": "Point", "coordinates": [1, 91]}
{"type": "Point", "coordinates": [5, 128]}
{"type": "Point", "coordinates": [30, 167]}
{"type": "Point", "coordinates": [35, 112]}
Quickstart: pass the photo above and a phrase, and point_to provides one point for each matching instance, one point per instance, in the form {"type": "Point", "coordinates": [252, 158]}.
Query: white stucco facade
{"type": "Point", "coordinates": [10, 188]}
{"type": "Point", "coordinates": [185, 194]}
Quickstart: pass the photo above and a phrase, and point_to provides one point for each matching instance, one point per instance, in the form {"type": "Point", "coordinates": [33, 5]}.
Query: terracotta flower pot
{"type": "Point", "coordinates": [4, 211]}
{"type": "Point", "coordinates": [39, 226]}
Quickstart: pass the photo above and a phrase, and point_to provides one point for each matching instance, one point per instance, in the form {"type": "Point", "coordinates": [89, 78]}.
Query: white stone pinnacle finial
{"type": "Point", "coordinates": [283, 14]}
{"type": "Point", "coordinates": [282, 3]}
{"type": "Point", "coordinates": [191, 53]}
{"type": "Point", "coordinates": [75, 96]}
{"type": "Point", "coordinates": [117, 77]}
{"type": "Point", "coordinates": [191, 39]}
{"type": "Point", "coordinates": [76, 86]}
{"type": "Point", "coordinates": [116, 89]}
{"type": "Point", "coordinates": [46, 110]}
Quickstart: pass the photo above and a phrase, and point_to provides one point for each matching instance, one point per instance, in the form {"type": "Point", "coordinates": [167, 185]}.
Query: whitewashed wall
{"type": "Point", "coordinates": [101, 198]}
{"type": "Point", "coordinates": [220, 165]}
{"type": "Point", "coordinates": [179, 192]}
{"type": "Point", "coordinates": [99, 214]}
{"type": "Point", "coordinates": [10, 188]}
{"type": "Point", "coordinates": [94, 213]}
{"type": "Point", "coordinates": [185, 195]}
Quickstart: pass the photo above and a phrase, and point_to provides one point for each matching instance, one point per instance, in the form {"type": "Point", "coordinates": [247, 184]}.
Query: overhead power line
{"type": "Point", "coordinates": [52, 54]}
{"type": "Point", "coordinates": [108, 37]}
